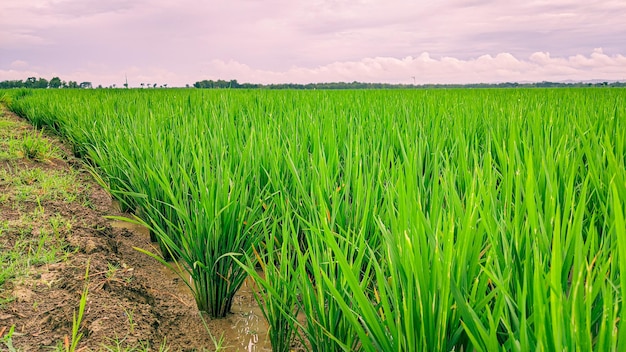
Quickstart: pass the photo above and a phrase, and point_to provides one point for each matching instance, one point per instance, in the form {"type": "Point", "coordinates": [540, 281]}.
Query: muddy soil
{"type": "Point", "coordinates": [133, 302]}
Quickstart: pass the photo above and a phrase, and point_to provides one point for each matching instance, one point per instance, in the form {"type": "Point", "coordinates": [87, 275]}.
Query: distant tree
{"type": "Point", "coordinates": [142, 84]}
{"type": "Point", "coordinates": [12, 84]}
{"type": "Point", "coordinates": [41, 83]}
{"type": "Point", "coordinates": [187, 85]}
{"type": "Point", "coordinates": [55, 82]}
{"type": "Point", "coordinates": [99, 86]}
{"type": "Point", "coordinates": [30, 82]}
{"type": "Point", "coordinates": [33, 82]}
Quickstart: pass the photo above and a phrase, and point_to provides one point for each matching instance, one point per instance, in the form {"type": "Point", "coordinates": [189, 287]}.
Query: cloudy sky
{"type": "Point", "coordinates": [278, 41]}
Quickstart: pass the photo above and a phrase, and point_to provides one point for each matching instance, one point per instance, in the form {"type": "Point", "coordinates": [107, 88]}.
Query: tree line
{"type": "Point", "coordinates": [362, 85]}
{"type": "Point", "coordinates": [56, 82]}
{"type": "Point", "coordinates": [42, 83]}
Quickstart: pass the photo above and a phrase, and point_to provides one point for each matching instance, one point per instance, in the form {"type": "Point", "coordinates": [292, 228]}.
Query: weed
{"type": "Point", "coordinates": [4, 224]}
{"type": "Point", "coordinates": [217, 343]}
{"type": "Point", "coordinates": [70, 344]}
{"type": "Point", "coordinates": [59, 223]}
{"type": "Point", "coordinates": [7, 339]}
{"type": "Point", "coordinates": [36, 147]}
{"type": "Point", "coordinates": [111, 270]}
{"type": "Point", "coordinates": [131, 322]}
{"type": "Point", "coordinates": [120, 345]}
{"type": "Point", "coordinates": [6, 99]}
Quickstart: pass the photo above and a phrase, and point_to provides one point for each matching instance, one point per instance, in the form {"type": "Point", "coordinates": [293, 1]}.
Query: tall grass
{"type": "Point", "coordinates": [377, 220]}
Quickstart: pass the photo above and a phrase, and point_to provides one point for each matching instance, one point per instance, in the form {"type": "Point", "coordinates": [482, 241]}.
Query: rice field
{"type": "Point", "coordinates": [417, 220]}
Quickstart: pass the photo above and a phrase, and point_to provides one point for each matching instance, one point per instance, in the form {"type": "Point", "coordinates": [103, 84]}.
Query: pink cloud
{"type": "Point", "coordinates": [318, 40]}
{"type": "Point", "coordinates": [486, 68]}
{"type": "Point", "coordinates": [503, 67]}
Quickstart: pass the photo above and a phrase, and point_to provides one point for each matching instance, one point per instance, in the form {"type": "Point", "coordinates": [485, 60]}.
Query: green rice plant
{"type": "Point", "coordinates": [423, 253]}
{"type": "Point", "coordinates": [409, 220]}
{"type": "Point", "coordinates": [321, 282]}
{"type": "Point", "coordinates": [276, 282]}
{"type": "Point", "coordinates": [218, 217]}
{"type": "Point", "coordinates": [338, 205]}
{"type": "Point", "coordinates": [547, 257]}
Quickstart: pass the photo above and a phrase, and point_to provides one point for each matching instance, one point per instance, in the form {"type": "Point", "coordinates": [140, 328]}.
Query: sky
{"type": "Point", "coordinates": [293, 41]}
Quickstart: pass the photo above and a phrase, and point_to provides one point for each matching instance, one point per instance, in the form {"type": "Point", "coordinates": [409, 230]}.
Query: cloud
{"type": "Point", "coordinates": [85, 8]}
{"type": "Point", "coordinates": [19, 64]}
{"type": "Point", "coordinates": [503, 67]}
{"type": "Point", "coordinates": [283, 40]}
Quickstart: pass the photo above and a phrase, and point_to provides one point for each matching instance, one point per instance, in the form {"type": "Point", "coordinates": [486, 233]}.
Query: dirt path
{"type": "Point", "coordinates": [51, 226]}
